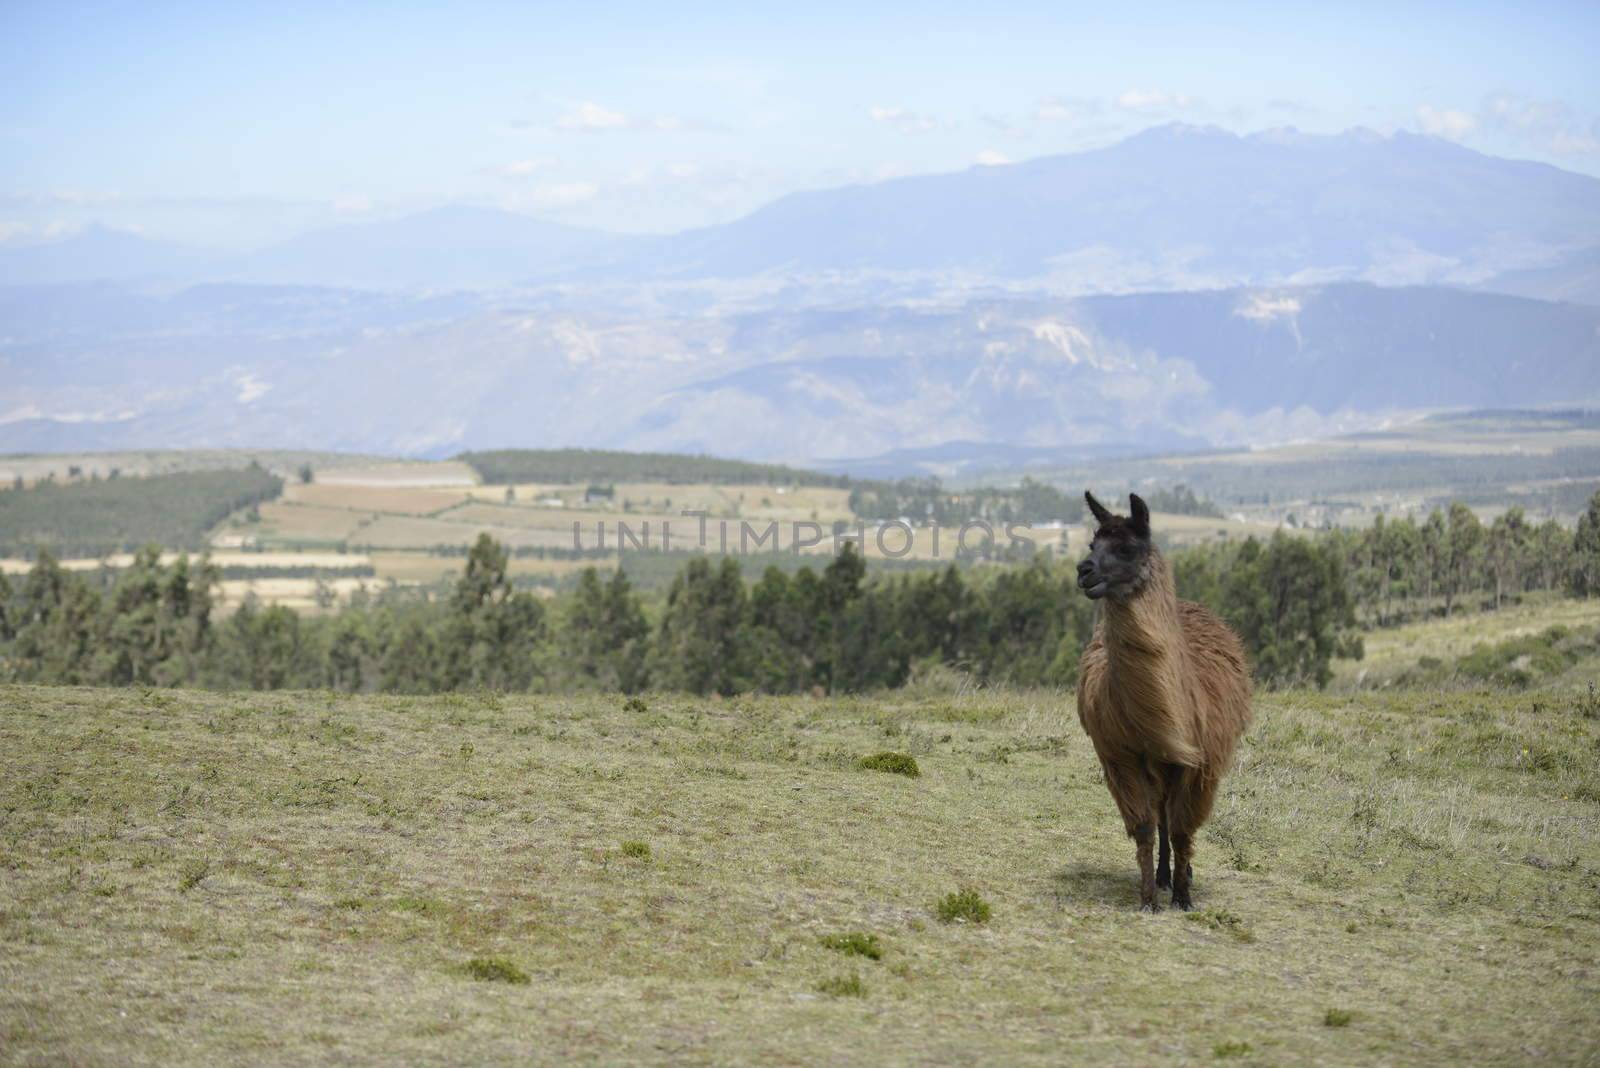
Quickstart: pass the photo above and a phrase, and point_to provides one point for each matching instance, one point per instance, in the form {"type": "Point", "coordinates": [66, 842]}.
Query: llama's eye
{"type": "Point", "coordinates": [1127, 552]}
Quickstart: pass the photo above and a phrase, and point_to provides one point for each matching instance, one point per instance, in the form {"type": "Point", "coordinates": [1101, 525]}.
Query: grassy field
{"type": "Point", "coordinates": [1390, 651]}
{"type": "Point", "coordinates": [186, 877]}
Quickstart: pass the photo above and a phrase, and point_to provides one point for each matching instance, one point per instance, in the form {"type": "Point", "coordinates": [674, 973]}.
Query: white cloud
{"type": "Point", "coordinates": [1066, 109]}
{"type": "Point", "coordinates": [990, 158]}
{"type": "Point", "coordinates": [251, 388]}
{"type": "Point", "coordinates": [1508, 110]}
{"type": "Point", "coordinates": [1567, 143]}
{"type": "Point", "coordinates": [521, 168]}
{"type": "Point", "coordinates": [591, 116]}
{"type": "Point", "coordinates": [1154, 100]}
{"type": "Point", "coordinates": [1445, 122]}
{"type": "Point", "coordinates": [907, 121]}
{"type": "Point", "coordinates": [1546, 124]}
{"type": "Point", "coordinates": [353, 205]}
{"type": "Point", "coordinates": [562, 195]}
{"type": "Point", "coordinates": [24, 232]}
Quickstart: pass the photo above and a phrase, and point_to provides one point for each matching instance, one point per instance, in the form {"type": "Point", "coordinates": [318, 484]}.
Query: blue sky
{"type": "Point", "coordinates": [240, 124]}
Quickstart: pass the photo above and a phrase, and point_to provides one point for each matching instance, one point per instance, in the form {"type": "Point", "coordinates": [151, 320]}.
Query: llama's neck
{"type": "Point", "coordinates": [1147, 667]}
{"type": "Point", "coordinates": [1144, 628]}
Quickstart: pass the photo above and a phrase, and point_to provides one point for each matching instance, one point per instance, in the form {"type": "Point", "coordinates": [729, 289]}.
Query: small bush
{"type": "Point", "coordinates": [855, 943]}
{"type": "Point", "coordinates": [1225, 1050]}
{"type": "Point", "coordinates": [495, 970]}
{"type": "Point", "coordinates": [894, 763]}
{"type": "Point", "coordinates": [635, 704]}
{"type": "Point", "coordinates": [963, 906]}
{"type": "Point", "coordinates": [422, 905]}
{"type": "Point", "coordinates": [843, 986]}
{"type": "Point", "coordinates": [1224, 921]}
{"type": "Point", "coordinates": [1336, 1018]}
{"type": "Point", "coordinates": [636, 850]}
{"type": "Point", "coordinates": [194, 872]}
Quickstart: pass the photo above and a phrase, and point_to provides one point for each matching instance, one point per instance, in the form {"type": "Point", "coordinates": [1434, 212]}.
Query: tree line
{"type": "Point", "coordinates": [569, 466]}
{"type": "Point", "coordinates": [1400, 569]}
{"type": "Point", "coordinates": [926, 500]}
{"type": "Point", "coordinates": [1297, 602]}
{"type": "Point", "coordinates": [97, 517]}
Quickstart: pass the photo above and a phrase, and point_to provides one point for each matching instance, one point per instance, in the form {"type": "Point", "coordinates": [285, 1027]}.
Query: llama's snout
{"type": "Point", "coordinates": [1089, 580]}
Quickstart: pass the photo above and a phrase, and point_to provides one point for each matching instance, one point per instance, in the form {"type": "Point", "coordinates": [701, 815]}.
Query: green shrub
{"type": "Point", "coordinates": [1336, 1018]}
{"type": "Point", "coordinates": [635, 704]}
{"type": "Point", "coordinates": [636, 850]}
{"type": "Point", "coordinates": [495, 970]}
{"type": "Point", "coordinates": [1226, 1050]}
{"type": "Point", "coordinates": [843, 986]}
{"type": "Point", "coordinates": [894, 763]}
{"type": "Point", "coordinates": [855, 943]}
{"type": "Point", "coordinates": [194, 872]}
{"type": "Point", "coordinates": [1224, 921]}
{"type": "Point", "coordinates": [963, 906]}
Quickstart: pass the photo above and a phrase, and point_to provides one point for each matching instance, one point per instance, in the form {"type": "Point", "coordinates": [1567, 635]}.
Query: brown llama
{"type": "Point", "coordinates": [1164, 694]}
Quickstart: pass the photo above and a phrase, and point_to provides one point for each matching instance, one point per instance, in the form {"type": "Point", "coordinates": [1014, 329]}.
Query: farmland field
{"type": "Point", "coordinates": [407, 500]}
{"type": "Point", "coordinates": [202, 878]}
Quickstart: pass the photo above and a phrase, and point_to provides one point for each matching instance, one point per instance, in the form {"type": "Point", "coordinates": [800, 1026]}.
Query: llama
{"type": "Point", "coordinates": [1164, 694]}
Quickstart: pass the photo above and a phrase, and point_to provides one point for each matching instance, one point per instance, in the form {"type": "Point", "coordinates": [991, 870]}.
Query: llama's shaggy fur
{"type": "Point", "coordinates": [1164, 694]}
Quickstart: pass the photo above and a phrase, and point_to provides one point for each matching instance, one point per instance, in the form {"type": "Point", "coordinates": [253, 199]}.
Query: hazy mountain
{"type": "Point", "coordinates": [382, 373]}
{"type": "Point", "coordinates": [1176, 207]}
{"type": "Point", "coordinates": [1179, 207]}
{"type": "Point", "coordinates": [99, 253]}
{"type": "Point", "coordinates": [455, 247]}
{"type": "Point", "coordinates": [1575, 278]}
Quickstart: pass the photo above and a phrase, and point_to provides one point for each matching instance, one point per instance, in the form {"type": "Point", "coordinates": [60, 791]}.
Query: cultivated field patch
{"type": "Point", "coordinates": [406, 500]}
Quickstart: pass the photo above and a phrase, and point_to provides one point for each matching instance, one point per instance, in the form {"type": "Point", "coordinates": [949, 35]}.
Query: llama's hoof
{"type": "Point", "coordinates": [1182, 903]}
{"type": "Point", "coordinates": [1150, 906]}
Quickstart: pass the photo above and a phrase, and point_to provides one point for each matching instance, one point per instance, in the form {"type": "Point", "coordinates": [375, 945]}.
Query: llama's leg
{"type": "Point", "coordinates": [1144, 837]}
{"type": "Point", "coordinates": [1188, 808]}
{"type": "Point", "coordinates": [1182, 869]}
{"type": "Point", "coordinates": [1163, 861]}
{"type": "Point", "coordinates": [1134, 793]}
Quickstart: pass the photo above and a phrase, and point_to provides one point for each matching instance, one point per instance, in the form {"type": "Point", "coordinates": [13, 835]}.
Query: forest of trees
{"type": "Point", "coordinates": [1297, 602]}
{"type": "Point", "coordinates": [1400, 569]}
{"type": "Point", "coordinates": [601, 466]}
{"type": "Point", "coordinates": [95, 516]}
{"type": "Point", "coordinates": [1030, 502]}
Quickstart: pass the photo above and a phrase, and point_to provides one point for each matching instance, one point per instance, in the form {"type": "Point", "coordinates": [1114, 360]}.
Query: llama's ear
{"type": "Point", "coordinates": [1140, 514]}
{"type": "Point", "coordinates": [1102, 514]}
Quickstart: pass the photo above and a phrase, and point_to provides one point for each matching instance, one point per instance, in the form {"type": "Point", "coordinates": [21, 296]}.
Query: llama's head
{"type": "Point", "coordinates": [1118, 564]}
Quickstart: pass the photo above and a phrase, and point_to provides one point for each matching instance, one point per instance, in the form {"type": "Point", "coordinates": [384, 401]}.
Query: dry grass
{"type": "Point", "coordinates": [399, 473]}
{"type": "Point", "coordinates": [283, 521]}
{"type": "Point", "coordinates": [307, 878]}
{"type": "Point", "coordinates": [420, 567]}
{"type": "Point", "coordinates": [300, 594]}
{"type": "Point", "coordinates": [403, 500]}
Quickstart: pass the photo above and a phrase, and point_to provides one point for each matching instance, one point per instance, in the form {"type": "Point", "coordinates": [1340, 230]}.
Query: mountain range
{"type": "Point", "coordinates": [1176, 207]}
{"type": "Point", "coordinates": [337, 369]}
{"type": "Point", "coordinates": [1184, 288]}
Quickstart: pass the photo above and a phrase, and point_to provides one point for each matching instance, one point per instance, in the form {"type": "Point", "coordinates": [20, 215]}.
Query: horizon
{"type": "Point", "coordinates": [381, 217]}
{"type": "Point", "coordinates": [232, 129]}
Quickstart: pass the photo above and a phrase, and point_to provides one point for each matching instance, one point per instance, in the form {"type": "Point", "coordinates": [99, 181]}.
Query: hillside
{"type": "Point", "coordinates": [93, 518]}
{"type": "Point", "coordinates": [596, 465]}
{"type": "Point", "coordinates": [103, 367]}
{"type": "Point", "coordinates": [405, 879]}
